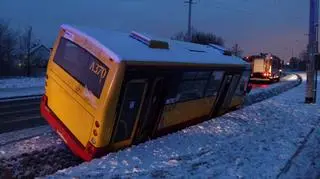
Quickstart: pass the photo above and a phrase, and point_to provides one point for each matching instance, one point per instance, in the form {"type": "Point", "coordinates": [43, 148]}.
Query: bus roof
{"type": "Point", "coordinates": [121, 47]}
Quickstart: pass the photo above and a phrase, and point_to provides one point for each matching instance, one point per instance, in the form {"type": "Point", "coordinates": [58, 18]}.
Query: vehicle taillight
{"type": "Point", "coordinates": [267, 74]}
{"type": "Point", "coordinates": [95, 133]}
{"type": "Point", "coordinates": [97, 124]}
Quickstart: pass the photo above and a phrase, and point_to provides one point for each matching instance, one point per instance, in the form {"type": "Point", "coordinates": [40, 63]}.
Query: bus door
{"type": "Point", "coordinates": [226, 93]}
{"type": "Point", "coordinates": [151, 111]}
{"type": "Point", "coordinates": [131, 104]}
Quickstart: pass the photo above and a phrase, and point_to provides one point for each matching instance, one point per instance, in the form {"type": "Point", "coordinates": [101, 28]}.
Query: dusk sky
{"type": "Point", "coordinates": [276, 26]}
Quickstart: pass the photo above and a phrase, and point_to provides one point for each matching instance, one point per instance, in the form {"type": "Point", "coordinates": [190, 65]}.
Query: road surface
{"type": "Point", "coordinates": [20, 113]}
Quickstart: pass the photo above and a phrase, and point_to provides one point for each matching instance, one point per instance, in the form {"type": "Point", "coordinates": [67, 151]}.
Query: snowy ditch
{"type": "Point", "coordinates": [45, 153]}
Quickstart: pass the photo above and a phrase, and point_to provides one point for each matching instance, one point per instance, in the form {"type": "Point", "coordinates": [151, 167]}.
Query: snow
{"type": "Point", "coordinates": [22, 82]}
{"type": "Point", "coordinates": [20, 92]}
{"type": "Point", "coordinates": [130, 49]}
{"type": "Point", "coordinates": [259, 94]}
{"type": "Point", "coordinates": [286, 79]}
{"type": "Point", "coordinates": [11, 137]}
{"type": "Point", "coordinates": [107, 51]}
{"type": "Point", "coordinates": [300, 165]}
{"type": "Point", "coordinates": [23, 86]}
{"type": "Point", "coordinates": [257, 141]}
{"type": "Point", "coordinates": [15, 143]}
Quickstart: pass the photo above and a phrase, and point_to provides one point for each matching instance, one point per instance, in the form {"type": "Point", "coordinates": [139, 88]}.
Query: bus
{"type": "Point", "coordinates": [106, 90]}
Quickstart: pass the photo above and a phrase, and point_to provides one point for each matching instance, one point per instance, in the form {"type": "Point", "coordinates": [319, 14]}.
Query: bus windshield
{"type": "Point", "coordinates": [81, 65]}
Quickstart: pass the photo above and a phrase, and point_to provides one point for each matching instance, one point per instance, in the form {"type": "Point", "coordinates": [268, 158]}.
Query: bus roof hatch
{"type": "Point", "coordinates": [149, 42]}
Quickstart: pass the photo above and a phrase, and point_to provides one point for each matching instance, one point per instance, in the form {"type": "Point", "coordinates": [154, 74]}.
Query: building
{"type": "Point", "coordinates": [39, 56]}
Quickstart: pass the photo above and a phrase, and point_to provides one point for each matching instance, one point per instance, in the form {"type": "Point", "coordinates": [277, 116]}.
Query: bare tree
{"type": "Point", "coordinates": [8, 43]}
{"type": "Point", "coordinates": [236, 50]}
{"type": "Point", "coordinates": [199, 37]}
{"type": "Point", "coordinates": [3, 32]}
{"type": "Point", "coordinates": [15, 46]}
{"type": "Point", "coordinates": [26, 43]}
{"type": "Point", "coordinates": [304, 55]}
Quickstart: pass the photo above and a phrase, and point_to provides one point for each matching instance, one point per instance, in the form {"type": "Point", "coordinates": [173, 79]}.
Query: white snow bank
{"type": "Point", "coordinates": [23, 86]}
{"type": "Point", "coordinates": [285, 80]}
{"type": "Point", "coordinates": [253, 142]}
{"type": "Point", "coordinates": [22, 82]}
{"type": "Point", "coordinates": [260, 94]}
{"type": "Point", "coordinates": [20, 92]}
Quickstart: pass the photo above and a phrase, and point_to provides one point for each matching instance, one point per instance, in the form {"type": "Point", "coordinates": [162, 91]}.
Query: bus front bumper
{"type": "Point", "coordinates": [86, 153]}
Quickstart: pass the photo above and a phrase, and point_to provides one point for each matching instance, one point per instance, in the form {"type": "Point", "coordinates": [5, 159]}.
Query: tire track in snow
{"type": "Point", "coordinates": [303, 145]}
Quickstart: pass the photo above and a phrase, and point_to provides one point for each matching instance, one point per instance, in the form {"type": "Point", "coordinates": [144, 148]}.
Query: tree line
{"type": "Point", "coordinates": [206, 38]}
{"type": "Point", "coordinates": [15, 49]}
{"type": "Point", "coordinates": [300, 63]}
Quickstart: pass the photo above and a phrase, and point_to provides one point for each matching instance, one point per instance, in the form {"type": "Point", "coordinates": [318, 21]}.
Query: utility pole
{"type": "Point", "coordinates": [236, 49]}
{"type": "Point", "coordinates": [190, 2]}
{"type": "Point", "coordinates": [311, 88]}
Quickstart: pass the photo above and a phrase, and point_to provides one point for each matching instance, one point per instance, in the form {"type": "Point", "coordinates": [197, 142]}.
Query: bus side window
{"type": "Point", "coordinates": [172, 88]}
{"type": "Point", "coordinates": [214, 83]}
{"type": "Point", "coordinates": [192, 88]}
{"type": "Point", "coordinates": [243, 83]}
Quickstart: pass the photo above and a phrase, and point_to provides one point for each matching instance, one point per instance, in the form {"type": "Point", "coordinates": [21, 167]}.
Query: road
{"type": "Point", "coordinates": [260, 85]}
{"type": "Point", "coordinates": [20, 113]}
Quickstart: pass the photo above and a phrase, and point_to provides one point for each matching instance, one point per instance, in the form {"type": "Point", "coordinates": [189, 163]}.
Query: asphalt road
{"type": "Point", "coordinates": [20, 113]}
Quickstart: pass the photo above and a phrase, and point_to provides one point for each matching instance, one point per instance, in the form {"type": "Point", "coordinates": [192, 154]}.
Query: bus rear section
{"type": "Point", "coordinates": [75, 79]}
{"type": "Point", "coordinates": [259, 67]}
{"type": "Point", "coordinates": [265, 68]}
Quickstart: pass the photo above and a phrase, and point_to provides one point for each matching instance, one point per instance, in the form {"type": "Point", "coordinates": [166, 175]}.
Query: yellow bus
{"type": "Point", "coordinates": [107, 90]}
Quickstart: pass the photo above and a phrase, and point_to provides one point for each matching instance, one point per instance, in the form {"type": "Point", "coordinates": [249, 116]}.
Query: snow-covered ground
{"type": "Point", "coordinates": [287, 82]}
{"type": "Point", "coordinates": [16, 138]}
{"type": "Point", "coordinates": [23, 86]}
{"type": "Point", "coordinates": [262, 140]}
{"type": "Point", "coordinates": [22, 82]}
{"type": "Point", "coordinates": [286, 79]}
